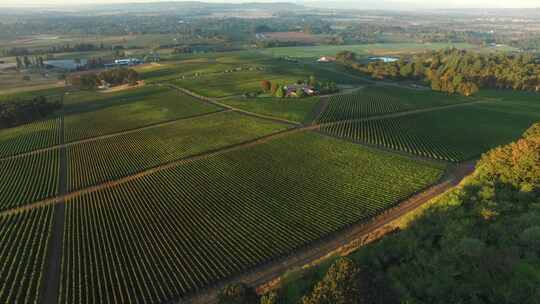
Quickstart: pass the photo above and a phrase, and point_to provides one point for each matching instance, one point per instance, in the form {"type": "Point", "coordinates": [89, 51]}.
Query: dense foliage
{"type": "Point", "coordinates": [16, 112]}
{"type": "Point", "coordinates": [460, 71]}
{"type": "Point", "coordinates": [113, 77]}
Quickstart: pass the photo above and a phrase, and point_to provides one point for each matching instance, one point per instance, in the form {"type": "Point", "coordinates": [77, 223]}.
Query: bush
{"type": "Point", "coordinates": [341, 285]}
{"type": "Point", "coordinates": [237, 293]}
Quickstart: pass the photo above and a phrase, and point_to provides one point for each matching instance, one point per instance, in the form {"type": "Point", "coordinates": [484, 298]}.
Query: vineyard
{"type": "Point", "coordinates": [289, 109]}
{"type": "Point", "coordinates": [29, 178]}
{"type": "Point", "coordinates": [159, 107]}
{"type": "Point", "coordinates": [451, 134]}
{"type": "Point", "coordinates": [100, 161]}
{"type": "Point", "coordinates": [23, 239]}
{"type": "Point", "coordinates": [373, 101]}
{"type": "Point", "coordinates": [174, 232]}
{"type": "Point", "coordinates": [29, 137]}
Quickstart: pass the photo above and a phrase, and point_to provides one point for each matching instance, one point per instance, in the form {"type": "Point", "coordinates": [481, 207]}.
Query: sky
{"type": "Point", "coordinates": [366, 4]}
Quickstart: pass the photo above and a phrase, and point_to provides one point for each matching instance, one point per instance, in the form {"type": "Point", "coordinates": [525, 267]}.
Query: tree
{"type": "Point", "coordinates": [237, 293]}
{"type": "Point", "coordinates": [340, 285]}
{"type": "Point", "coordinates": [270, 298]}
{"type": "Point", "coordinates": [280, 92]}
{"type": "Point", "coordinates": [26, 62]}
{"type": "Point", "coordinates": [266, 85]}
{"type": "Point", "coordinates": [19, 63]}
{"type": "Point", "coordinates": [346, 56]}
{"type": "Point", "coordinates": [274, 88]}
{"type": "Point", "coordinates": [313, 81]}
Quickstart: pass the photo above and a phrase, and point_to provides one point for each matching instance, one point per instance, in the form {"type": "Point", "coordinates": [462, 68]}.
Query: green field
{"type": "Point", "coordinates": [29, 178]}
{"type": "Point", "coordinates": [452, 134]}
{"type": "Point", "coordinates": [164, 105]}
{"type": "Point", "coordinates": [361, 49]}
{"type": "Point", "coordinates": [24, 239]}
{"type": "Point", "coordinates": [165, 235]}
{"type": "Point", "coordinates": [30, 137]}
{"type": "Point", "coordinates": [107, 159]}
{"type": "Point", "coordinates": [373, 101]}
{"type": "Point", "coordinates": [298, 110]}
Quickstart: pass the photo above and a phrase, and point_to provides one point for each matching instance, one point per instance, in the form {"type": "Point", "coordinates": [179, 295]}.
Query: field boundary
{"type": "Point", "coordinates": [332, 243]}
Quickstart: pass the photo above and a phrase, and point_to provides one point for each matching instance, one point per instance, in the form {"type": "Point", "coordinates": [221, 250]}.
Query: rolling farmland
{"type": "Point", "coordinates": [176, 236]}
{"type": "Point", "coordinates": [373, 101]}
{"type": "Point", "coordinates": [100, 161]}
{"type": "Point", "coordinates": [451, 134]}
{"type": "Point", "coordinates": [159, 107]}
{"type": "Point", "coordinates": [23, 239]}
{"type": "Point", "coordinates": [29, 137]}
{"type": "Point", "coordinates": [29, 178]}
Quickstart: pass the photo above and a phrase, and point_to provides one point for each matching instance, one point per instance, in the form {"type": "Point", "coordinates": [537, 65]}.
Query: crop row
{"type": "Point", "coordinates": [29, 178]}
{"type": "Point", "coordinates": [23, 250]}
{"type": "Point", "coordinates": [119, 156]}
{"type": "Point", "coordinates": [176, 231]}
{"type": "Point", "coordinates": [159, 107]}
{"type": "Point", "coordinates": [358, 105]}
{"type": "Point", "coordinates": [30, 137]}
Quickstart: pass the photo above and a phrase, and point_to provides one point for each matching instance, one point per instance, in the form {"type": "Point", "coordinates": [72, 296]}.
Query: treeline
{"type": "Point", "coordinates": [67, 48]}
{"type": "Point", "coordinates": [113, 77]}
{"type": "Point", "coordinates": [17, 112]}
{"type": "Point", "coordinates": [479, 243]}
{"type": "Point", "coordinates": [458, 71]}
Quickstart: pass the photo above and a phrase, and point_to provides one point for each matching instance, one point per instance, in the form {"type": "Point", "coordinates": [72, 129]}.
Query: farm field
{"type": "Point", "coordinates": [163, 105]}
{"type": "Point", "coordinates": [291, 109]}
{"type": "Point", "coordinates": [163, 236]}
{"type": "Point", "coordinates": [24, 238]}
{"type": "Point", "coordinates": [100, 161]}
{"type": "Point", "coordinates": [450, 134]}
{"type": "Point", "coordinates": [361, 49]}
{"type": "Point", "coordinates": [29, 137]}
{"type": "Point", "coordinates": [29, 178]}
{"type": "Point", "coordinates": [377, 100]}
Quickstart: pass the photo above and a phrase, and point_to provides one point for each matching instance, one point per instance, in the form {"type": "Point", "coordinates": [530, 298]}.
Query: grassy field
{"type": "Point", "coordinates": [100, 161]}
{"type": "Point", "coordinates": [28, 179]}
{"type": "Point", "coordinates": [255, 205]}
{"type": "Point", "coordinates": [299, 110]}
{"type": "Point", "coordinates": [23, 254]}
{"type": "Point", "coordinates": [361, 49]}
{"type": "Point", "coordinates": [452, 134]}
{"type": "Point", "coordinates": [377, 100]}
{"type": "Point", "coordinates": [163, 105]}
{"type": "Point", "coordinates": [30, 137]}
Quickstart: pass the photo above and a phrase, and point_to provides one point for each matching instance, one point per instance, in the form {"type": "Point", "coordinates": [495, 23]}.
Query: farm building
{"type": "Point", "coordinates": [327, 59]}
{"type": "Point", "coordinates": [66, 65]}
{"type": "Point", "coordinates": [384, 59]}
{"type": "Point", "coordinates": [128, 61]}
{"type": "Point", "coordinates": [291, 90]}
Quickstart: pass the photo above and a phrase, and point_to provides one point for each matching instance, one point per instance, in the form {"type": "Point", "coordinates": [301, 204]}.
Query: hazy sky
{"type": "Point", "coordinates": [356, 3]}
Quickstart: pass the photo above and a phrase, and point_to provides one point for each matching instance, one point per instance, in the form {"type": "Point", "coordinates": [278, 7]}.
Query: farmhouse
{"type": "Point", "coordinates": [291, 90]}
{"type": "Point", "coordinates": [327, 59]}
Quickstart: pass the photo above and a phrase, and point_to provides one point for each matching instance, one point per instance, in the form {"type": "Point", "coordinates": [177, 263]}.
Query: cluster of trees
{"type": "Point", "coordinates": [342, 284]}
{"type": "Point", "coordinates": [459, 71]}
{"type": "Point", "coordinates": [479, 243]}
{"type": "Point", "coordinates": [320, 88]}
{"type": "Point", "coordinates": [16, 112]}
{"type": "Point", "coordinates": [111, 77]}
{"type": "Point", "coordinates": [27, 62]}
{"type": "Point", "coordinates": [67, 48]}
